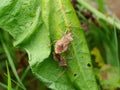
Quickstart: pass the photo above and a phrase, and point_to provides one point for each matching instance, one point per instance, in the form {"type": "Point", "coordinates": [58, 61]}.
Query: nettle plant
{"type": "Point", "coordinates": [37, 26]}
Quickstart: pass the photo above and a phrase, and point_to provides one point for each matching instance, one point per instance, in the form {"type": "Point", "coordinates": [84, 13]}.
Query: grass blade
{"type": "Point", "coordinates": [9, 78]}
{"type": "Point", "coordinates": [12, 64]}
{"type": "Point", "coordinates": [116, 49]}
{"type": "Point", "coordinates": [23, 76]}
{"type": "Point", "coordinates": [99, 14]}
{"type": "Point", "coordinates": [3, 85]}
{"type": "Point", "coordinates": [101, 6]}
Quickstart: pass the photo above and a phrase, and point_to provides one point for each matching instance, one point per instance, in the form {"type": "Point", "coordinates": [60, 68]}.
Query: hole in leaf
{"type": "Point", "coordinates": [75, 74]}
{"type": "Point", "coordinates": [89, 65]}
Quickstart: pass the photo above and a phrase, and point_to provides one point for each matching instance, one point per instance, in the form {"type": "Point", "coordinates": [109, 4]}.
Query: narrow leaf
{"type": "Point", "coordinates": [9, 78]}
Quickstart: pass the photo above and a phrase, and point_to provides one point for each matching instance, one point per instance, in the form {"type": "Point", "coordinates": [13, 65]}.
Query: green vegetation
{"type": "Point", "coordinates": [28, 32]}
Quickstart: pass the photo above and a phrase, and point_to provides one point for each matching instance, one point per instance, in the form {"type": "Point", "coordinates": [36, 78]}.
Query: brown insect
{"type": "Point", "coordinates": [60, 47]}
{"type": "Point", "coordinates": [62, 44]}
{"type": "Point", "coordinates": [60, 59]}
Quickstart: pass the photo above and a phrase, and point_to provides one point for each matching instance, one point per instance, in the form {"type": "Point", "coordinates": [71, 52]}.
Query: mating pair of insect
{"type": "Point", "coordinates": [61, 46]}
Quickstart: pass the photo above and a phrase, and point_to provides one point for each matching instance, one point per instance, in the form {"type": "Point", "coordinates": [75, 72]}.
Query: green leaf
{"type": "Point", "coordinates": [9, 78]}
{"type": "Point", "coordinates": [23, 20]}
{"type": "Point", "coordinates": [33, 24]}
